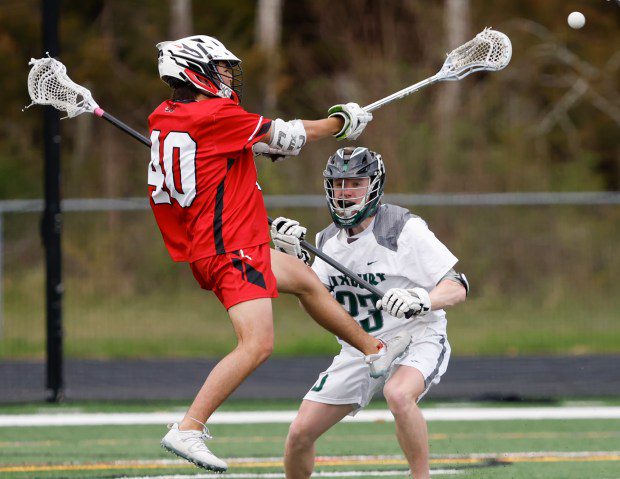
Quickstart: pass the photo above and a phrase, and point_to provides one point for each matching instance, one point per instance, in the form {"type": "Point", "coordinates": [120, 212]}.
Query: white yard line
{"type": "Point", "coordinates": [272, 417]}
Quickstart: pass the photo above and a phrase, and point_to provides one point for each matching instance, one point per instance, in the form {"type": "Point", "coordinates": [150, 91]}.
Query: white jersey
{"type": "Point", "coordinates": [396, 251]}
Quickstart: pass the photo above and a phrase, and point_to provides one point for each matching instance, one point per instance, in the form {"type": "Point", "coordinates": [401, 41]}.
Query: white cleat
{"type": "Point", "coordinates": [381, 362]}
{"type": "Point", "coordinates": [190, 445]}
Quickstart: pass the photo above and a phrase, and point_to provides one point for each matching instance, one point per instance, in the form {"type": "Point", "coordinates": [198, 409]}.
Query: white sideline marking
{"type": "Point", "coordinates": [273, 417]}
{"type": "Point", "coordinates": [279, 475]}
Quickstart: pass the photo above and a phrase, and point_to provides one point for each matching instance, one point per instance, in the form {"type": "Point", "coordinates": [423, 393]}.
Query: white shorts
{"type": "Point", "coordinates": [347, 380]}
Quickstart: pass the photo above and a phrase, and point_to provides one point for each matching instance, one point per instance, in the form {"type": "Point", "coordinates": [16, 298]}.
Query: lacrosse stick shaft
{"type": "Point", "coordinates": [490, 50]}
{"type": "Point", "coordinates": [402, 93]}
{"type": "Point", "coordinates": [344, 270]}
{"type": "Point", "coordinates": [119, 124]}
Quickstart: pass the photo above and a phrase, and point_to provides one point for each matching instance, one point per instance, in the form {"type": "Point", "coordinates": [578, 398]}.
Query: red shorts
{"type": "Point", "coordinates": [239, 276]}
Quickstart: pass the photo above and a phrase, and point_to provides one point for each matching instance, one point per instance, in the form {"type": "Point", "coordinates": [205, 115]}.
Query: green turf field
{"type": "Point", "coordinates": [548, 449]}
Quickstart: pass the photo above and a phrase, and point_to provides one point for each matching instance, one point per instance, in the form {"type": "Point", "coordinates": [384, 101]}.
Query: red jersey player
{"type": "Point", "coordinates": [204, 193]}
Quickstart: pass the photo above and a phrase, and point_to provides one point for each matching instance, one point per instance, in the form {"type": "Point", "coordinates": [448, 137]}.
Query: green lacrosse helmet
{"type": "Point", "coordinates": [352, 163]}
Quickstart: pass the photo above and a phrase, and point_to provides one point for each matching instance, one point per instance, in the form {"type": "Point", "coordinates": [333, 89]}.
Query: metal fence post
{"type": "Point", "coordinates": [51, 224]}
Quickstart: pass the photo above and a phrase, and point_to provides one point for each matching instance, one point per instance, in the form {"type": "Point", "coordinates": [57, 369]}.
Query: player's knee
{"type": "Point", "coordinates": [399, 398]}
{"type": "Point", "coordinates": [264, 351]}
{"type": "Point", "coordinates": [259, 347]}
{"type": "Point", "coordinates": [299, 436]}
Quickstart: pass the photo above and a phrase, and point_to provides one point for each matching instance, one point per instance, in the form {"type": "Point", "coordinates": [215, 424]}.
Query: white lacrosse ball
{"type": "Point", "coordinates": [576, 20]}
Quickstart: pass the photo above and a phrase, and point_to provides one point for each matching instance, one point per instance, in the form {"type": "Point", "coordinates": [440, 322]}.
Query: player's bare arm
{"type": "Point", "coordinates": [314, 129]}
{"type": "Point", "coordinates": [286, 138]}
{"type": "Point", "coordinates": [446, 294]}
{"type": "Point", "coordinates": [345, 121]}
{"type": "Point", "coordinates": [318, 129]}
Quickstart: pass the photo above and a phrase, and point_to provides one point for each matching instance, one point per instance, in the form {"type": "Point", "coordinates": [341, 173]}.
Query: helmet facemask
{"type": "Point", "coordinates": [348, 205]}
{"type": "Point", "coordinates": [229, 81]}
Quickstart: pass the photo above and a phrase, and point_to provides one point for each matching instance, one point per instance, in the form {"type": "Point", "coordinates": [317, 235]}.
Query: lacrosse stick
{"type": "Point", "coordinates": [490, 50]}
{"type": "Point", "coordinates": [49, 84]}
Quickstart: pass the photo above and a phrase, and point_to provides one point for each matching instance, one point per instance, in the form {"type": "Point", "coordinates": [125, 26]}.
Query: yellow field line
{"type": "Point", "coordinates": [527, 435]}
{"type": "Point", "coordinates": [504, 458]}
{"type": "Point", "coordinates": [85, 467]}
{"type": "Point", "coordinates": [593, 458]}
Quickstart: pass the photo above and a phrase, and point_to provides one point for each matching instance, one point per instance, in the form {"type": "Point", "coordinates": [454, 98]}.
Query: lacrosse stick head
{"type": "Point", "coordinates": [49, 84]}
{"type": "Point", "coordinates": [490, 50]}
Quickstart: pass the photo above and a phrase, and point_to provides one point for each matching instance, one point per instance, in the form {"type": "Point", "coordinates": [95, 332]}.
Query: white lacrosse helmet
{"type": "Point", "coordinates": [194, 60]}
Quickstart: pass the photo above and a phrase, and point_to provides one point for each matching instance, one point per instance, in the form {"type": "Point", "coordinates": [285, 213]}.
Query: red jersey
{"type": "Point", "coordinates": [202, 178]}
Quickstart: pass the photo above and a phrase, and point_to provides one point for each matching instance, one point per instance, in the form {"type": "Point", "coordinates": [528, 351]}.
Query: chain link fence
{"type": "Point", "coordinates": [543, 269]}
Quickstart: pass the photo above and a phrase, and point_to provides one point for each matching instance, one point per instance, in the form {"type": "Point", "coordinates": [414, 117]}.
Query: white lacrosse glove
{"type": "Point", "coordinates": [274, 154]}
{"type": "Point", "coordinates": [355, 120]}
{"type": "Point", "coordinates": [287, 235]}
{"type": "Point", "coordinates": [398, 302]}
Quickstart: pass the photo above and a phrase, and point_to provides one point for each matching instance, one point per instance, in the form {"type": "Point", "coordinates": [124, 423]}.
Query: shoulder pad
{"type": "Point", "coordinates": [389, 223]}
{"type": "Point", "coordinates": [327, 233]}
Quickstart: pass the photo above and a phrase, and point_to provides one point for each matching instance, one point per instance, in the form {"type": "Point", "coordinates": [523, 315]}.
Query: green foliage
{"type": "Point", "coordinates": [489, 141]}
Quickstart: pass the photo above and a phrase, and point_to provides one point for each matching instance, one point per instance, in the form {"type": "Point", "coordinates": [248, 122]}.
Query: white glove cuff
{"type": "Point", "coordinates": [346, 124]}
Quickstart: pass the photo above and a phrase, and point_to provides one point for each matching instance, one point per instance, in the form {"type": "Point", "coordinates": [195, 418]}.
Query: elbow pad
{"type": "Point", "coordinates": [287, 137]}
{"type": "Point", "coordinates": [457, 278]}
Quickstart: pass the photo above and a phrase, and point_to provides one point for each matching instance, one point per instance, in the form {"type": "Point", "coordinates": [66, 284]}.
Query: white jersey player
{"type": "Point", "coordinates": [394, 250]}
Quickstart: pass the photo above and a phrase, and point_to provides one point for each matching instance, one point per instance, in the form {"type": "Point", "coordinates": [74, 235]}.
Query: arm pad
{"type": "Point", "coordinates": [287, 137]}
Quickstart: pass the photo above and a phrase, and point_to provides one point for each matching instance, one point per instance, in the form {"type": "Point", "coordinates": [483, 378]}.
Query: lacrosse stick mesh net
{"type": "Point", "coordinates": [48, 84]}
{"type": "Point", "coordinates": [489, 50]}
